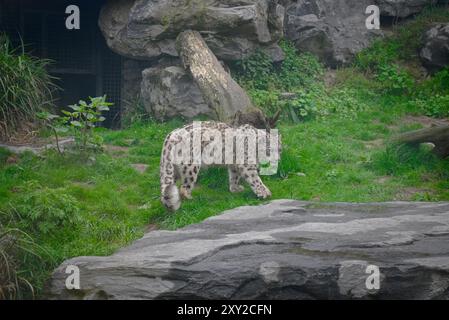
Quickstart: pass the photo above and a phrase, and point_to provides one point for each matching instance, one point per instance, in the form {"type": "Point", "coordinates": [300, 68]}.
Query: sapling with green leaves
{"type": "Point", "coordinates": [82, 119]}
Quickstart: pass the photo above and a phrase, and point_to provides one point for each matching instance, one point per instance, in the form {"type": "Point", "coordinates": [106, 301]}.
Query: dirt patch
{"type": "Point", "coordinates": [83, 184]}
{"type": "Point", "coordinates": [425, 121]}
{"type": "Point", "coordinates": [112, 148]}
{"type": "Point", "coordinates": [330, 78]}
{"type": "Point", "coordinates": [26, 134]}
{"type": "Point", "coordinates": [383, 180]}
{"type": "Point", "coordinates": [151, 227]}
{"type": "Point", "coordinates": [116, 151]}
{"type": "Point", "coordinates": [374, 144]}
{"type": "Point", "coordinates": [409, 194]}
{"type": "Point", "coordinates": [140, 167]}
{"type": "Point", "coordinates": [32, 142]}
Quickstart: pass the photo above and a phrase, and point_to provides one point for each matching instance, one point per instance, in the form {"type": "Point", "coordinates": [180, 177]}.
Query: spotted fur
{"type": "Point", "coordinates": [187, 173]}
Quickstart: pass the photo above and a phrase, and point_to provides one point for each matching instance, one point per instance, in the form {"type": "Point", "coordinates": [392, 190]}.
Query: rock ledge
{"type": "Point", "coordinates": [282, 250]}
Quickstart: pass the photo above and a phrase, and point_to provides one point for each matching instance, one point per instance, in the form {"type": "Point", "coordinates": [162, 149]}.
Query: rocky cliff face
{"type": "Point", "coordinates": [333, 30]}
{"type": "Point", "coordinates": [283, 250]}
{"type": "Point", "coordinates": [147, 29]}
{"type": "Point", "coordinates": [170, 92]}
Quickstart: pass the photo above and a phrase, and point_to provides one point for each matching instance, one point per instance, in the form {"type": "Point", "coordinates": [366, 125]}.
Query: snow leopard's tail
{"type": "Point", "coordinates": [170, 196]}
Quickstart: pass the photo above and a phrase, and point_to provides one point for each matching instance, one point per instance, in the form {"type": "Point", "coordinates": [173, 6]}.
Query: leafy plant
{"type": "Point", "coordinates": [266, 82]}
{"type": "Point", "coordinates": [268, 100]}
{"type": "Point", "coordinates": [343, 102]}
{"type": "Point", "coordinates": [256, 71]}
{"type": "Point", "coordinates": [298, 69]}
{"type": "Point", "coordinates": [41, 211]}
{"type": "Point", "coordinates": [439, 83]}
{"type": "Point", "coordinates": [393, 79]}
{"type": "Point", "coordinates": [82, 119]}
{"type": "Point", "coordinates": [381, 52]}
{"type": "Point", "coordinates": [302, 107]}
{"type": "Point", "coordinates": [25, 87]}
{"type": "Point", "coordinates": [436, 106]}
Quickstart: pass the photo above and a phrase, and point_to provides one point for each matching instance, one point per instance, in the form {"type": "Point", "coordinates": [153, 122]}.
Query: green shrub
{"type": "Point", "coordinates": [298, 69]}
{"type": "Point", "coordinates": [42, 211]}
{"type": "Point", "coordinates": [268, 100]}
{"type": "Point", "coordinates": [265, 81]}
{"type": "Point", "coordinates": [436, 106]}
{"type": "Point", "coordinates": [81, 120]}
{"type": "Point", "coordinates": [341, 101]}
{"type": "Point", "coordinates": [381, 52]}
{"type": "Point", "coordinates": [393, 79]}
{"type": "Point", "coordinates": [298, 108]}
{"type": "Point", "coordinates": [25, 87]}
{"type": "Point", "coordinates": [439, 83]}
{"type": "Point", "coordinates": [258, 72]}
{"type": "Point", "coordinates": [302, 107]}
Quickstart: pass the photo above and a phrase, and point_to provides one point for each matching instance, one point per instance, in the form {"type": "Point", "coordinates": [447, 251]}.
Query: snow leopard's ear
{"type": "Point", "coordinates": [272, 120]}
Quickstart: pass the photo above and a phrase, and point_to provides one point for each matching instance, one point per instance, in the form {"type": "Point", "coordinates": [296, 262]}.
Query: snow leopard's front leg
{"type": "Point", "coordinates": [234, 179]}
{"type": "Point", "coordinates": [250, 174]}
{"type": "Point", "coordinates": [189, 175]}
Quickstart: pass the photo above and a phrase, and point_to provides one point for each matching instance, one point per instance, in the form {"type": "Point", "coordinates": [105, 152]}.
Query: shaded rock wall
{"type": "Point", "coordinates": [435, 52]}
{"type": "Point", "coordinates": [334, 31]}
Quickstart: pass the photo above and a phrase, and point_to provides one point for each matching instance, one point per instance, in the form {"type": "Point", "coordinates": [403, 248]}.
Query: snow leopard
{"type": "Point", "coordinates": [186, 170]}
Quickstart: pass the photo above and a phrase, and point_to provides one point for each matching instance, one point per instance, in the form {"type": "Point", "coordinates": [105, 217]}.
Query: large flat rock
{"type": "Point", "coordinates": [282, 250]}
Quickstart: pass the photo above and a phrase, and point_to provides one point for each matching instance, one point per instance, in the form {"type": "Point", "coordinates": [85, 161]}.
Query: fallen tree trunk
{"type": "Point", "coordinates": [439, 136]}
{"type": "Point", "coordinates": [220, 91]}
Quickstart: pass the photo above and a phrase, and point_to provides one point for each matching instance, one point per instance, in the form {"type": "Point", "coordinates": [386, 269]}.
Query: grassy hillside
{"type": "Point", "coordinates": [336, 147]}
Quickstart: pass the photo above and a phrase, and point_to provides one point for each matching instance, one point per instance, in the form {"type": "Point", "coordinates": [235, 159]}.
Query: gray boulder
{"type": "Point", "coordinates": [147, 29]}
{"type": "Point", "coordinates": [402, 8]}
{"type": "Point", "coordinates": [282, 250]}
{"type": "Point", "coordinates": [169, 92]}
{"type": "Point", "coordinates": [332, 30]}
{"type": "Point", "coordinates": [435, 52]}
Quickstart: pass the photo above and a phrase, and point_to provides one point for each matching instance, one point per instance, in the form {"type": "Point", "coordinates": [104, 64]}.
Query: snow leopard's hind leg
{"type": "Point", "coordinates": [251, 176]}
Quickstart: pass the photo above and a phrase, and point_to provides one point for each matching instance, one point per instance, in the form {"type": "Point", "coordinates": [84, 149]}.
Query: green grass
{"type": "Point", "coordinates": [339, 151]}
{"type": "Point", "coordinates": [342, 160]}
